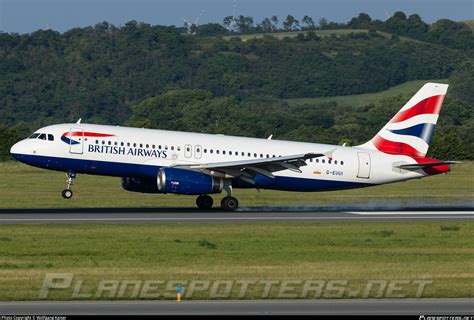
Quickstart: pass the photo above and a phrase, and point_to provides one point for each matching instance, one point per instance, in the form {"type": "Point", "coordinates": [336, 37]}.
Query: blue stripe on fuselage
{"type": "Point", "coordinates": [118, 169]}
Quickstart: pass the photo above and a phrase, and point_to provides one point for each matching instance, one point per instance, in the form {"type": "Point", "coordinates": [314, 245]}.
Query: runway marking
{"type": "Point", "coordinates": [395, 213]}
{"type": "Point", "coordinates": [232, 219]}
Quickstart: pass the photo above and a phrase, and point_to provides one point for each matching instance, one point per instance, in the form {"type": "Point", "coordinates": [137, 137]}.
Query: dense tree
{"type": "Point", "coordinates": [290, 23]}
{"type": "Point", "coordinates": [158, 76]}
{"type": "Point", "coordinates": [308, 23]}
{"type": "Point", "coordinates": [362, 21]}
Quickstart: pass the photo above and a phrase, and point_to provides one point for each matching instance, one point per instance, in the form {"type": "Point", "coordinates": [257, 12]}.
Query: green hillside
{"type": "Point", "coordinates": [404, 90]}
{"type": "Point", "coordinates": [470, 23]}
{"type": "Point", "coordinates": [298, 84]}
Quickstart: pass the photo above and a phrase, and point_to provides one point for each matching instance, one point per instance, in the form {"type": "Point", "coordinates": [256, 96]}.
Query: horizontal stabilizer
{"type": "Point", "coordinates": [415, 166]}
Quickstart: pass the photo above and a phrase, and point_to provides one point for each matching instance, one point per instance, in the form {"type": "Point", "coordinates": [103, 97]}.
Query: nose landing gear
{"type": "Point", "coordinates": [67, 193]}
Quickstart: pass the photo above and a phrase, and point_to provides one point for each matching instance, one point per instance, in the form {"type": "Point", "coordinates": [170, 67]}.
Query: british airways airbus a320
{"type": "Point", "coordinates": [158, 161]}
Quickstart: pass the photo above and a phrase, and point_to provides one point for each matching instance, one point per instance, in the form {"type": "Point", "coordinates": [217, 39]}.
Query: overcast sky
{"type": "Point", "coordinates": [25, 16]}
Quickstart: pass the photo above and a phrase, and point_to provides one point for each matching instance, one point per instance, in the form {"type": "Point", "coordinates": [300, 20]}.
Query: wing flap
{"type": "Point", "coordinates": [246, 170]}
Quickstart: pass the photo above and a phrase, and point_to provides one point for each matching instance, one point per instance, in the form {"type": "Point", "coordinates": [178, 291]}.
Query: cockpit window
{"type": "Point", "coordinates": [42, 136]}
{"type": "Point", "coordinates": [34, 135]}
{"type": "Point", "coordinates": [50, 137]}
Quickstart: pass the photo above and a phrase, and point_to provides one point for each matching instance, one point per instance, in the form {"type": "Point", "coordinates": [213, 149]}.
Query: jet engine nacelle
{"type": "Point", "coordinates": [182, 181]}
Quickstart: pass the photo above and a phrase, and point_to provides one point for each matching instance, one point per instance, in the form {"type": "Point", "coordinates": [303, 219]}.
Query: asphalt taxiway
{"type": "Point", "coordinates": [242, 307]}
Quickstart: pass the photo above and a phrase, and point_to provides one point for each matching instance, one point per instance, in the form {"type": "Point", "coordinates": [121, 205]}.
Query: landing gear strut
{"type": "Point", "coordinates": [204, 201]}
{"type": "Point", "coordinates": [229, 203]}
{"type": "Point", "coordinates": [67, 193]}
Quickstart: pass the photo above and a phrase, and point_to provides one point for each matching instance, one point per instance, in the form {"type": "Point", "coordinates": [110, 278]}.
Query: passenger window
{"type": "Point", "coordinates": [50, 137]}
{"type": "Point", "coordinates": [211, 151]}
{"type": "Point", "coordinates": [97, 142]}
{"type": "Point", "coordinates": [103, 142]}
{"type": "Point", "coordinates": [217, 151]}
{"type": "Point", "coordinates": [329, 161]}
{"type": "Point", "coordinates": [255, 155]}
{"type": "Point", "coordinates": [342, 163]}
{"type": "Point", "coordinates": [323, 161]}
{"type": "Point", "coordinates": [223, 151]}
{"type": "Point", "coordinates": [230, 153]}
{"type": "Point", "coordinates": [110, 143]}
{"type": "Point", "coordinates": [115, 143]}
{"type": "Point", "coordinates": [42, 136]}
{"type": "Point", "coordinates": [317, 160]}
{"type": "Point", "coordinates": [335, 161]}
{"type": "Point", "coordinates": [121, 144]}
{"type": "Point", "coordinates": [172, 147]}
{"type": "Point", "coordinates": [134, 145]}
{"type": "Point", "coordinates": [205, 150]}
{"type": "Point", "coordinates": [128, 144]}
{"type": "Point", "coordinates": [147, 146]}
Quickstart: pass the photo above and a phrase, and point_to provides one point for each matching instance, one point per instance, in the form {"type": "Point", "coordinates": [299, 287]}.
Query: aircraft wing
{"type": "Point", "coordinates": [415, 166]}
{"type": "Point", "coordinates": [246, 170]}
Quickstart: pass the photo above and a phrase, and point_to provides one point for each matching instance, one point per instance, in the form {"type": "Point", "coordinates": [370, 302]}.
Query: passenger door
{"type": "Point", "coordinates": [364, 165]}
{"type": "Point", "coordinates": [76, 140]}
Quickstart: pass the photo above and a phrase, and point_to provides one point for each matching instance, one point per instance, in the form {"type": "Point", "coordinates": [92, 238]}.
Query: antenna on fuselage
{"type": "Point", "coordinates": [79, 121]}
{"type": "Point", "coordinates": [270, 137]}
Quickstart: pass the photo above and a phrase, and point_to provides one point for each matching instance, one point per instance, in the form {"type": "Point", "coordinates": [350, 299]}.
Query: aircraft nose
{"type": "Point", "coordinates": [17, 150]}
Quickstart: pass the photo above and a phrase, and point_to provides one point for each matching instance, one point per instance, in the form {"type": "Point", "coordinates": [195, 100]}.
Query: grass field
{"type": "Point", "coordinates": [292, 34]}
{"type": "Point", "coordinates": [24, 186]}
{"type": "Point", "coordinates": [319, 33]}
{"type": "Point", "coordinates": [470, 23]}
{"type": "Point", "coordinates": [406, 90]}
{"type": "Point", "coordinates": [349, 253]}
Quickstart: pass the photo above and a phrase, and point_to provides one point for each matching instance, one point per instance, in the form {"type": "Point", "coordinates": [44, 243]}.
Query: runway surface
{"type": "Point", "coordinates": [166, 215]}
{"type": "Point", "coordinates": [366, 307]}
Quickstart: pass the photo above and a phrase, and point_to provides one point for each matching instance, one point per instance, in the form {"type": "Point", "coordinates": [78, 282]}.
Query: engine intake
{"type": "Point", "coordinates": [182, 181]}
{"type": "Point", "coordinates": [143, 185]}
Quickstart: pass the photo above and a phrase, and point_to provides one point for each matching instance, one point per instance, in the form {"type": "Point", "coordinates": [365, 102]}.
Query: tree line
{"type": "Point", "coordinates": [446, 32]}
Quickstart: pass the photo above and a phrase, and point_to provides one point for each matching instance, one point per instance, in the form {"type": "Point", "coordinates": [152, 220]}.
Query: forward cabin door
{"type": "Point", "coordinates": [76, 140]}
{"type": "Point", "coordinates": [364, 165]}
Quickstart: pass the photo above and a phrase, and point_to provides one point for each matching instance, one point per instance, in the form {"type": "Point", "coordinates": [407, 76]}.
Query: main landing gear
{"type": "Point", "coordinates": [67, 193]}
{"type": "Point", "coordinates": [228, 203]}
{"type": "Point", "coordinates": [204, 202]}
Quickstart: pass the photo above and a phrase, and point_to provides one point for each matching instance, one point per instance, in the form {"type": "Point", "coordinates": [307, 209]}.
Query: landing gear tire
{"type": "Point", "coordinates": [204, 202]}
{"type": "Point", "coordinates": [67, 193]}
{"type": "Point", "coordinates": [229, 204]}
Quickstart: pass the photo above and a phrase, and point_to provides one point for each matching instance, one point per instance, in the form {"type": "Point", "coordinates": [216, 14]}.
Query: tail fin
{"type": "Point", "coordinates": [410, 130]}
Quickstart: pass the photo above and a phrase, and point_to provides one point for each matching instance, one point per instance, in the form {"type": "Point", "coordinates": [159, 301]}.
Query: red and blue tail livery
{"type": "Point", "coordinates": [159, 161]}
{"type": "Point", "coordinates": [409, 132]}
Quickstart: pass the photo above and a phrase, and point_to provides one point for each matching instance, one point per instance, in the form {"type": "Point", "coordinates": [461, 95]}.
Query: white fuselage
{"type": "Point", "coordinates": [135, 152]}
